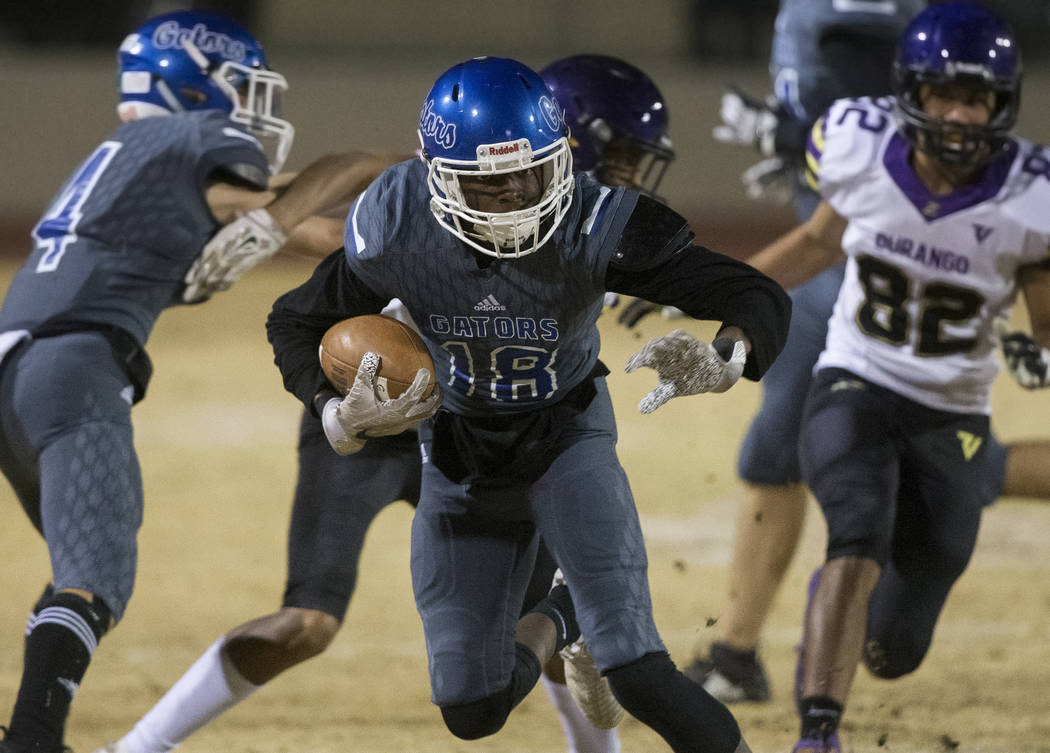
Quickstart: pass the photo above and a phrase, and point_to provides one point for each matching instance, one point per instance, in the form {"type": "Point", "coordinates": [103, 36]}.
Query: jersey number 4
{"type": "Point", "coordinates": [882, 315]}
{"type": "Point", "coordinates": [57, 229]}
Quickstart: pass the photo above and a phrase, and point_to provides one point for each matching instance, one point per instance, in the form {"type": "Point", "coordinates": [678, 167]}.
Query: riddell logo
{"type": "Point", "coordinates": [489, 303]}
{"type": "Point", "coordinates": [497, 151]}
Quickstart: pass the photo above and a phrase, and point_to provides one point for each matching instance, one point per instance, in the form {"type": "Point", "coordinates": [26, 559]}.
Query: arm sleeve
{"type": "Point", "coordinates": [708, 285]}
{"type": "Point", "coordinates": [301, 316]}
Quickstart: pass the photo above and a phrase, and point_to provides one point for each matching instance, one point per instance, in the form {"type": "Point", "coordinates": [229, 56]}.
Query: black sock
{"type": "Point", "coordinates": [820, 717]}
{"type": "Point", "coordinates": [63, 633]}
{"type": "Point", "coordinates": [558, 607]}
{"type": "Point", "coordinates": [527, 669]}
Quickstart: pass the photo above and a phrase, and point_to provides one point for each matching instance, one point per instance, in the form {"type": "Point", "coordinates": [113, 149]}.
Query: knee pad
{"type": "Point", "coordinates": [477, 719]}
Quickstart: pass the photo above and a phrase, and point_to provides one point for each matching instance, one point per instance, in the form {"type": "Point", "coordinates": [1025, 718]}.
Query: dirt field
{"type": "Point", "coordinates": [216, 439]}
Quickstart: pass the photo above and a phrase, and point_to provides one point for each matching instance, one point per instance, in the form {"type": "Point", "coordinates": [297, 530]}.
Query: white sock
{"type": "Point", "coordinates": [208, 688]}
{"type": "Point", "coordinates": [582, 736]}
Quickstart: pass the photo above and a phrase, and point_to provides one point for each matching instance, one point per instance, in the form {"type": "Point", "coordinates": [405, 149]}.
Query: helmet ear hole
{"type": "Point", "coordinates": [195, 96]}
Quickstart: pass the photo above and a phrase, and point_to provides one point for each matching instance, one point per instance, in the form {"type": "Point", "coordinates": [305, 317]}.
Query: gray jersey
{"type": "Point", "coordinates": [116, 242]}
{"type": "Point", "coordinates": [506, 337]}
{"type": "Point", "coordinates": [804, 80]}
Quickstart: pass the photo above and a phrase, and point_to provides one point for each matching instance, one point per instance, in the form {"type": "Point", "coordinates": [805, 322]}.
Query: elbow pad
{"type": "Point", "coordinates": [653, 234]}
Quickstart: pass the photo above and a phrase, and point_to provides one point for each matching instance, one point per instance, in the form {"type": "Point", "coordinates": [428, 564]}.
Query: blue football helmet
{"type": "Point", "coordinates": [493, 116]}
{"type": "Point", "coordinates": [617, 120]}
{"type": "Point", "coordinates": [957, 43]}
{"type": "Point", "coordinates": [196, 60]}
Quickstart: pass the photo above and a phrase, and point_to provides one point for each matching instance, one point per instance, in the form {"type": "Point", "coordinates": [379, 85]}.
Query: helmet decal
{"type": "Point", "coordinates": [551, 113]}
{"type": "Point", "coordinates": [169, 35]}
{"type": "Point", "coordinates": [433, 125]}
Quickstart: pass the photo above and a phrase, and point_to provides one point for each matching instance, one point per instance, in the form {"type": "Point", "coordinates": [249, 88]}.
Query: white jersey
{"type": "Point", "coordinates": [926, 275]}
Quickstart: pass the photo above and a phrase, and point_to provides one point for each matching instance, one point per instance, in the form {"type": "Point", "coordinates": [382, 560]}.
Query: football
{"type": "Point", "coordinates": [400, 348]}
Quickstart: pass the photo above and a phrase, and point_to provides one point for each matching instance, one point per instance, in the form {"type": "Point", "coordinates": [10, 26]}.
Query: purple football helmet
{"type": "Point", "coordinates": [617, 119]}
{"type": "Point", "coordinates": [957, 43]}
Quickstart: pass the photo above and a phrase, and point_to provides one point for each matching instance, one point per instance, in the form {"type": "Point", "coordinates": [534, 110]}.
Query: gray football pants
{"type": "Point", "coordinates": [473, 547]}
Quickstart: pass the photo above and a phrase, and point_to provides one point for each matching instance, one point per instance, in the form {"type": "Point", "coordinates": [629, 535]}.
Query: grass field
{"type": "Point", "coordinates": [216, 439]}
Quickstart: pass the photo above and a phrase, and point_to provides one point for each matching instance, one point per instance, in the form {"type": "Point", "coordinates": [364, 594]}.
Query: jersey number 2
{"type": "Point", "coordinates": [58, 227]}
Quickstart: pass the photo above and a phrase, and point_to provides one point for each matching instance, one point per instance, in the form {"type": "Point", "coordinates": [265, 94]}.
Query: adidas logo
{"type": "Point", "coordinates": [489, 303]}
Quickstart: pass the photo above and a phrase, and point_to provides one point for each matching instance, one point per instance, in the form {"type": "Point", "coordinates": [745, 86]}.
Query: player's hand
{"type": "Point", "coordinates": [350, 421]}
{"type": "Point", "coordinates": [1028, 362]}
{"type": "Point", "coordinates": [747, 121]}
{"type": "Point", "coordinates": [638, 309]}
{"type": "Point", "coordinates": [236, 248]}
{"type": "Point", "coordinates": [687, 366]}
{"type": "Point", "coordinates": [772, 179]}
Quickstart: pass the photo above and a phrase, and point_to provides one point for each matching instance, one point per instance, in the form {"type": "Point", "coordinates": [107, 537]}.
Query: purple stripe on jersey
{"type": "Point", "coordinates": [811, 147]}
{"type": "Point", "coordinates": [934, 207]}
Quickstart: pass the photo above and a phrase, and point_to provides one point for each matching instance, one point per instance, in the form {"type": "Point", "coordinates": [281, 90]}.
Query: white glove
{"type": "Point", "coordinates": [687, 366]}
{"type": "Point", "coordinates": [771, 179]}
{"type": "Point", "coordinates": [747, 121]}
{"type": "Point", "coordinates": [236, 248]}
{"type": "Point", "coordinates": [348, 422]}
{"type": "Point", "coordinates": [1029, 362]}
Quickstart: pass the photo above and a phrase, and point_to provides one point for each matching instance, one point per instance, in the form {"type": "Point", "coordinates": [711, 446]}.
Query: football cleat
{"type": "Point", "coordinates": [813, 745]}
{"type": "Point", "coordinates": [588, 688]}
{"type": "Point", "coordinates": [731, 676]}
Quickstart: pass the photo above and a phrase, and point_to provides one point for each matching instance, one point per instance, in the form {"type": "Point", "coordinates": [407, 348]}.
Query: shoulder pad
{"type": "Point", "coordinates": [847, 141]}
{"type": "Point", "coordinates": [244, 173]}
{"type": "Point", "coordinates": [653, 234]}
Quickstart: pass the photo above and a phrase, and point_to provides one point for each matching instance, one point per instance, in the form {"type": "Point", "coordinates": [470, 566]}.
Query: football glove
{"type": "Point", "coordinates": [1028, 362]}
{"type": "Point", "coordinates": [251, 238]}
{"type": "Point", "coordinates": [748, 121]}
{"type": "Point", "coordinates": [772, 179]}
{"type": "Point", "coordinates": [688, 366]}
{"type": "Point", "coordinates": [350, 421]}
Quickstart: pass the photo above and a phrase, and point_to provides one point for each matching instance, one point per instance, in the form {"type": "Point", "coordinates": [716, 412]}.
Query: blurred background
{"type": "Point", "coordinates": [358, 70]}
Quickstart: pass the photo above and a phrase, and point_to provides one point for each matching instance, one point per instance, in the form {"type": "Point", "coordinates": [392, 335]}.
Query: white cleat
{"type": "Point", "coordinates": [588, 688]}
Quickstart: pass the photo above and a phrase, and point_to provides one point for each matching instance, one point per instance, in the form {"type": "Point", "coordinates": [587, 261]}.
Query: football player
{"type": "Point", "coordinates": [345, 494]}
{"type": "Point", "coordinates": [938, 211]}
{"type": "Point", "coordinates": [122, 241]}
{"type": "Point", "coordinates": [821, 51]}
{"type": "Point", "coordinates": [524, 443]}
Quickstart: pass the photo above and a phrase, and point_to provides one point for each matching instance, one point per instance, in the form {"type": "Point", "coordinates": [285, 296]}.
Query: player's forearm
{"type": "Point", "coordinates": [315, 237]}
{"type": "Point", "coordinates": [803, 253]}
{"type": "Point", "coordinates": [325, 183]}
